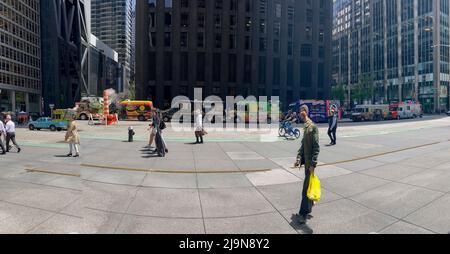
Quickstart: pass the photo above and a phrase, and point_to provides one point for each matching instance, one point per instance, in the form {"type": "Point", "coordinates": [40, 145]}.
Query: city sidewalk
{"type": "Point", "coordinates": [392, 181]}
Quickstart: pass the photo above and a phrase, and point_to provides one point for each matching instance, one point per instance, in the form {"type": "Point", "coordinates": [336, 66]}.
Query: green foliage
{"type": "Point", "coordinates": [364, 90]}
{"type": "Point", "coordinates": [338, 93]}
{"type": "Point", "coordinates": [132, 90]}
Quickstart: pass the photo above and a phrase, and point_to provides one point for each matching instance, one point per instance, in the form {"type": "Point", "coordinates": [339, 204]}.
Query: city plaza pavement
{"type": "Point", "coordinates": [385, 177]}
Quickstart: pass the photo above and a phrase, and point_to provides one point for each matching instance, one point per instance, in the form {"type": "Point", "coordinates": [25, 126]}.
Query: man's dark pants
{"type": "Point", "coordinates": [306, 206]}
{"type": "Point", "coordinates": [11, 137]}
{"type": "Point", "coordinates": [332, 134]}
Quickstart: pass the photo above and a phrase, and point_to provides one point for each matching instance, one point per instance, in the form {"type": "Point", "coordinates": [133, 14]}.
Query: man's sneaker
{"type": "Point", "coordinates": [301, 219]}
{"type": "Point", "coordinates": [309, 216]}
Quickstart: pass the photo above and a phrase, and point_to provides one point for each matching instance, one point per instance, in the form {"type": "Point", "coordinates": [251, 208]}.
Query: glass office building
{"type": "Point", "coordinates": [401, 46]}
{"type": "Point", "coordinates": [20, 56]}
{"type": "Point", "coordinates": [105, 70]}
{"type": "Point", "coordinates": [112, 24]}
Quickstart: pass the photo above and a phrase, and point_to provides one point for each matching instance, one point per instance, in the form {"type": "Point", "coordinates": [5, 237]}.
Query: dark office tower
{"type": "Point", "coordinates": [233, 47]}
{"type": "Point", "coordinates": [65, 39]}
{"type": "Point", "coordinates": [111, 24]}
{"type": "Point", "coordinates": [20, 56]}
{"type": "Point", "coordinates": [401, 47]}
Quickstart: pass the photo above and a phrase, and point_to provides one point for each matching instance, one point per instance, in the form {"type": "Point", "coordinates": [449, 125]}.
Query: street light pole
{"type": "Point", "coordinates": [437, 89]}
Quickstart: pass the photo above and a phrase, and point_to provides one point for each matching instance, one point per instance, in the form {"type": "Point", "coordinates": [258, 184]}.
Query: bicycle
{"type": "Point", "coordinates": [286, 130]}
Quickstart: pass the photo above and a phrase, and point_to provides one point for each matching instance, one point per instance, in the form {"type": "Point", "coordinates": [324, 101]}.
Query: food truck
{"type": "Point", "coordinates": [318, 109]}
{"type": "Point", "coordinates": [405, 110]}
{"type": "Point", "coordinates": [136, 110]}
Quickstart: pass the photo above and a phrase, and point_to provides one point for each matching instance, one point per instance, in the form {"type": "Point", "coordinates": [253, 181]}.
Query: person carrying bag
{"type": "Point", "coordinates": [199, 130]}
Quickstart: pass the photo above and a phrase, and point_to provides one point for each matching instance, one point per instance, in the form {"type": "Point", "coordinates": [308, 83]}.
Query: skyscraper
{"type": "Point", "coordinates": [111, 23]}
{"type": "Point", "coordinates": [20, 56]}
{"type": "Point", "coordinates": [65, 39]}
{"type": "Point", "coordinates": [401, 47]}
{"type": "Point", "coordinates": [74, 62]}
{"type": "Point", "coordinates": [133, 45]}
{"type": "Point", "coordinates": [233, 47]}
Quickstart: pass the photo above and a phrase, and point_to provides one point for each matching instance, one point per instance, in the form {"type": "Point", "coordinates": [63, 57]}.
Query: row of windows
{"type": "Point", "coordinates": [28, 8]}
{"type": "Point", "coordinates": [306, 49]}
{"type": "Point", "coordinates": [21, 45]}
{"type": "Point", "coordinates": [16, 12]}
{"type": "Point", "coordinates": [18, 81]}
{"type": "Point", "coordinates": [305, 69]}
{"type": "Point", "coordinates": [20, 57]}
{"type": "Point", "coordinates": [218, 4]}
{"type": "Point", "coordinates": [19, 69]}
{"type": "Point", "coordinates": [232, 21]}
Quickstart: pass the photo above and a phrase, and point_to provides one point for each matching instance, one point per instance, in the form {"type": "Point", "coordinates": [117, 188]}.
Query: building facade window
{"type": "Point", "coordinates": [217, 64]}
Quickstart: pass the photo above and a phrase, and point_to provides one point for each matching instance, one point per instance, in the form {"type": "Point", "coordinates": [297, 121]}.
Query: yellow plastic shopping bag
{"type": "Point", "coordinates": [314, 188]}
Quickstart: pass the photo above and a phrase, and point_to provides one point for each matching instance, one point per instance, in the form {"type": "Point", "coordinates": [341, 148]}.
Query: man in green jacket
{"type": "Point", "coordinates": [307, 155]}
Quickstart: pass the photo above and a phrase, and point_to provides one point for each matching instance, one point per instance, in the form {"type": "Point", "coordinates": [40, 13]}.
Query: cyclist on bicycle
{"type": "Point", "coordinates": [291, 118]}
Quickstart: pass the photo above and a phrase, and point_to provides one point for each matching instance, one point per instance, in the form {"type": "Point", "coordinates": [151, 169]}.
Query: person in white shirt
{"type": "Point", "coordinates": [2, 134]}
{"type": "Point", "coordinates": [11, 134]}
{"type": "Point", "coordinates": [199, 126]}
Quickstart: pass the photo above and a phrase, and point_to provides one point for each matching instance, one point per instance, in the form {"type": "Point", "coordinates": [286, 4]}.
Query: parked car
{"type": "Point", "coordinates": [47, 123]}
{"type": "Point", "coordinates": [448, 113]}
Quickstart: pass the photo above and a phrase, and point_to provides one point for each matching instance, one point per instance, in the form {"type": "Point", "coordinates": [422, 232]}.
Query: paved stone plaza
{"type": "Point", "coordinates": [384, 177]}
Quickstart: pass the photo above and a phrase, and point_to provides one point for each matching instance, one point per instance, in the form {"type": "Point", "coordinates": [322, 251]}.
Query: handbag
{"type": "Point", "coordinates": [162, 125]}
{"type": "Point", "coordinates": [314, 191]}
{"type": "Point", "coordinates": [204, 132]}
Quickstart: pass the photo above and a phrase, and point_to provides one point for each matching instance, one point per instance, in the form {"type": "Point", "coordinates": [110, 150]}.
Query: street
{"type": "Point", "coordinates": [381, 177]}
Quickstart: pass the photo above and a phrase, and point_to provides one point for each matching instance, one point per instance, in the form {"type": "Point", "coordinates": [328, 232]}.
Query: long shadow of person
{"type": "Point", "coordinates": [304, 228]}
{"type": "Point", "coordinates": [148, 152]}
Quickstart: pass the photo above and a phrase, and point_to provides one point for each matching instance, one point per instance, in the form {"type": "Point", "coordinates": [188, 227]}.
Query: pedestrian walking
{"type": "Point", "coordinates": [2, 135]}
{"type": "Point", "coordinates": [332, 125]}
{"type": "Point", "coordinates": [162, 126]}
{"type": "Point", "coordinates": [152, 128]}
{"type": "Point", "coordinates": [10, 128]}
{"type": "Point", "coordinates": [307, 155]}
{"type": "Point", "coordinates": [73, 138]}
{"type": "Point", "coordinates": [161, 147]}
{"type": "Point", "coordinates": [199, 131]}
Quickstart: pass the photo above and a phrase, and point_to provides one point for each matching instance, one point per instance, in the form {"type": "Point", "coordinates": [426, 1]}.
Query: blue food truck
{"type": "Point", "coordinates": [318, 109]}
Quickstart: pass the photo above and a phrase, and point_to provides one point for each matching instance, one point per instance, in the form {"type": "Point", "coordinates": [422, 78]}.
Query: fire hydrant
{"type": "Point", "coordinates": [131, 133]}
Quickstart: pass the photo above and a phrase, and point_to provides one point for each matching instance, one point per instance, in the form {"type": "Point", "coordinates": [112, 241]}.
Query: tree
{"type": "Point", "coordinates": [364, 90]}
{"type": "Point", "coordinates": [338, 93]}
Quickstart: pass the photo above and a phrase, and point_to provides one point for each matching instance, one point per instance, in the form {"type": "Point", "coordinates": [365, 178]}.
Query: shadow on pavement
{"type": "Point", "coordinates": [304, 228]}
{"type": "Point", "coordinates": [155, 155]}
{"type": "Point", "coordinates": [149, 152]}
{"type": "Point", "coordinates": [61, 156]}
{"type": "Point", "coordinates": [193, 143]}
